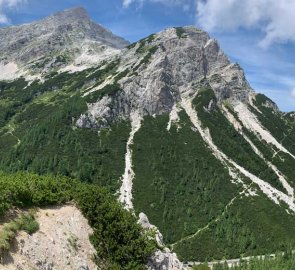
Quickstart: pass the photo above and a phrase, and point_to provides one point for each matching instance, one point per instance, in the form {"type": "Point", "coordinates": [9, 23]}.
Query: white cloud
{"type": "Point", "coordinates": [274, 17]}
{"type": "Point", "coordinates": [8, 4]}
{"type": "Point", "coordinates": [3, 19]}
{"type": "Point", "coordinates": [185, 3]}
{"type": "Point", "coordinates": [293, 93]}
{"type": "Point", "coordinates": [127, 3]}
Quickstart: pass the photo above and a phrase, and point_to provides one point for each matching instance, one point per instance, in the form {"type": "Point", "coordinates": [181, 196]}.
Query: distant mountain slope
{"type": "Point", "coordinates": [65, 39]}
{"type": "Point", "coordinates": [174, 129]}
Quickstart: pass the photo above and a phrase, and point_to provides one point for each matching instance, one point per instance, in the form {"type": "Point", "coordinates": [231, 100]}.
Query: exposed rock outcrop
{"type": "Point", "coordinates": [160, 68]}
{"type": "Point", "coordinates": [62, 242]}
{"type": "Point", "coordinates": [270, 104]}
{"type": "Point", "coordinates": [162, 259]}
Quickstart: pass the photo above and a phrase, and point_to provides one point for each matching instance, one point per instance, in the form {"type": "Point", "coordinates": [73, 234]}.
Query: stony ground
{"type": "Point", "coordinates": [61, 243]}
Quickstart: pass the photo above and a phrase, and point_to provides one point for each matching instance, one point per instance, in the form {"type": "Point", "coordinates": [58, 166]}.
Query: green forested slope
{"type": "Point", "coordinates": [37, 130]}
{"type": "Point", "coordinates": [178, 182]}
{"type": "Point", "coordinates": [230, 141]}
{"type": "Point", "coordinates": [250, 226]}
{"type": "Point", "coordinates": [280, 125]}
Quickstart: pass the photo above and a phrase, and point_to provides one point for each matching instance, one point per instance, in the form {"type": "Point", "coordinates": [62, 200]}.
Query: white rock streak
{"type": "Point", "coordinates": [126, 187]}
{"type": "Point", "coordinates": [11, 71]}
{"type": "Point", "coordinates": [89, 58]}
{"type": "Point", "coordinates": [238, 128]}
{"type": "Point", "coordinates": [8, 71]}
{"type": "Point", "coordinates": [107, 81]}
{"type": "Point", "coordinates": [251, 122]}
{"type": "Point", "coordinates": [271, 192]}
{"type": "Point", "coordinates": [174, 117]}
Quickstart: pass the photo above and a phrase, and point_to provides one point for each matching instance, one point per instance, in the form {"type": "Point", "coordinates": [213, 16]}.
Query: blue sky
{"type": "Point", "coordinates": [258, 34]}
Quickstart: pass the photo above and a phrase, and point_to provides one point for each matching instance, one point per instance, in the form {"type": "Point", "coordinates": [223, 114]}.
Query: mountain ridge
{"type": "Point", "coordinates": [155, 64]}
{"type": "Point", "coordinates": [60, 40]}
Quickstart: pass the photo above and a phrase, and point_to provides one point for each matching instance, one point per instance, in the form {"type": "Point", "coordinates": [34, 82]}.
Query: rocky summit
{"type": "Point", "coordinates": [163, 68]}
{"type": "Point", "coordinates": [68, 37]}
{"type": "Point", "coordinates": [202, 164]}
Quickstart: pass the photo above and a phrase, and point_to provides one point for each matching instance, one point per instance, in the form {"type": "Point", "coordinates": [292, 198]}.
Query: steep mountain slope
{"type": "Point", "coordinates": [174, 129]}
{"type": "Point", "coordinates": [67, 39]}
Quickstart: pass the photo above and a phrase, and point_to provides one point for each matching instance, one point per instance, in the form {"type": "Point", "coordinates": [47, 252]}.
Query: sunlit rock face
{"type": "Point", "coordinates": [161, 69]}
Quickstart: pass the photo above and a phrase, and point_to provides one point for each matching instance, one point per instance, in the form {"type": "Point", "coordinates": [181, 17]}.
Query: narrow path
{"type": "Point", "coordinates": [10, 131]}
{"type": "Point", "coordinates": [213, 221]}
{"type": "Point", "coordinates": [126, 188]}
{"type": "Point", "coordinates": [231, 262]}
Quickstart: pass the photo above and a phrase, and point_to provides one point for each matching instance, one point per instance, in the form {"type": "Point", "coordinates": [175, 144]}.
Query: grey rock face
{"type": "Point", "coordinates": [162, 68]}
{"type": "Point", "coordinates": [56, 41]}
{"type": "Point", "coordinates": [270, 104]}
{"type": "Point", "coordinates": [162, 259]}
{"type": "Point", "coordinates": [229, 82]}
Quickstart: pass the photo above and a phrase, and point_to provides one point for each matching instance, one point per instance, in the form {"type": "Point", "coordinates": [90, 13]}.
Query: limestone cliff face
{"type": "Point", "coordinates": [161, 69]}
{"type": "Point", "coordinates": [162, 259]}
{"type": "Point", "coordinates": [158, 70]}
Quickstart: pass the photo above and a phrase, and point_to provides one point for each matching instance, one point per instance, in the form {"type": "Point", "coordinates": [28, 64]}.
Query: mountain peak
{"type": "Point", "coordinates": [79, 10]}
{"type": "Point", "coordinates": [75, 13]}
{"type": "Point", "coordinates": [164, 69]}
{"type": "Point", "coordinates": [72, 16]}
{"type": "Point", "coordinates": [55, 42]}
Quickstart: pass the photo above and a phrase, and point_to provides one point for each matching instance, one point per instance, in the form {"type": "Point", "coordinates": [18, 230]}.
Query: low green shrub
{"type": "Point", "coordinates": [26, 222]}
{"type": "Point", "coordinates": [120, 242]}
{"type": "Point", "coordinates": [180, 32]}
